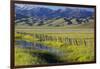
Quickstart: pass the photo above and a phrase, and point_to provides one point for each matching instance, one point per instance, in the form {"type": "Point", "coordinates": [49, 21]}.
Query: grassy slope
{"type": "Point", "coordinates": [57, 23]}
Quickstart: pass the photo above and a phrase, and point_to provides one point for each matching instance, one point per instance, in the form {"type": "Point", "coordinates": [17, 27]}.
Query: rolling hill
{"type": "Point", "coordinates": [43, 16]}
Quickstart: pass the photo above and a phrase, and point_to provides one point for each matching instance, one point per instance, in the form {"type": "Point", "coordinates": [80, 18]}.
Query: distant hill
{"type": "Point", "coordinates": [42, 12]}
{"type": "Point", "coordinates": [42, 16]}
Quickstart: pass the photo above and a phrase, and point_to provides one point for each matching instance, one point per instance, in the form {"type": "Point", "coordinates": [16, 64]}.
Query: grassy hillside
{"type": "Point", "coordinates": [54, 23]}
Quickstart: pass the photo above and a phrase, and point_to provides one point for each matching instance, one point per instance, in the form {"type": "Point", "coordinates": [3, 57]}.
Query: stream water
{"type": "Point", "coordinates": [38, 46]}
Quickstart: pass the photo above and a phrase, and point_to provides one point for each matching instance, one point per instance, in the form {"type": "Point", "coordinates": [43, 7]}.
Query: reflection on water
{"type": "Point", "coordinates": [38, 46]}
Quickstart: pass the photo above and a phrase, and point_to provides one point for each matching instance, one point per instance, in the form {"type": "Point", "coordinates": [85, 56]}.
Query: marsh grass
{"type": "Point", "coordinates": [75, 47]}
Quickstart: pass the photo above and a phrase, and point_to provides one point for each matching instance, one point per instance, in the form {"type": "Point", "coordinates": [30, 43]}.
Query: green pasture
{"type": "Point", "coordinates": [76, 45]}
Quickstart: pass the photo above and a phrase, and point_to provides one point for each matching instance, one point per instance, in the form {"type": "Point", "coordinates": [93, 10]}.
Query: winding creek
{"type": "Point", "coordinates": [38, 46]}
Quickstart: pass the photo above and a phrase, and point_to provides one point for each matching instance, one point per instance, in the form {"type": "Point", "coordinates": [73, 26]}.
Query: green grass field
{"type": "Point", "coordinates": [75, 45]}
